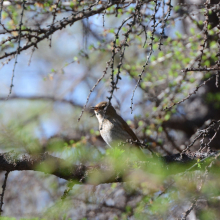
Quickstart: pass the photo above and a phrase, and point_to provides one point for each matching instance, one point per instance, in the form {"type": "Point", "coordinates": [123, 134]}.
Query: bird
{"type": "Point", "coordinates": [112, 126]}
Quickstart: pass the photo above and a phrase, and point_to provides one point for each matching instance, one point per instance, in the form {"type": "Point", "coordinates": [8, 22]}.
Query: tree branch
{"type": "Point", "coordinates": [41, 98]}
{"type": "Point", "coordinates": [48, 164]}
{"type": "Point", "coordinates": [59, 26]}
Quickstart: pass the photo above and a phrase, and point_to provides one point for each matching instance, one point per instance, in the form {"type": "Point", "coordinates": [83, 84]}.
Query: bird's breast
{"type": "Point", "coordinates": [112, 131]}
{"type": "Point", "coordinates": [106, 128]}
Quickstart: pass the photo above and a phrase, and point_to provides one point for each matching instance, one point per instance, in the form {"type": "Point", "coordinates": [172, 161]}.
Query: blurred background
{"type": "Point", "coordinates": [53, 78]}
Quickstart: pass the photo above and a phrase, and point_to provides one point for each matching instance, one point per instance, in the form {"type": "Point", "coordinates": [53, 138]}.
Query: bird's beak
{"type": "Point", "coordinates": [93, 108]}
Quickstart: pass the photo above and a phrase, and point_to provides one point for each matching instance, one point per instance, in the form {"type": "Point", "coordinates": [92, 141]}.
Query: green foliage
{"type": "Point", "coordinates": [115, 152]}
{"type": "Point", "coordinates": [162, 84]}
{"type": "Point", "coordinates": [208, 215]}
{"type": "Point", "coordinates": [7, 218]}
{"type": "Point", "coordinates": [214, 98]}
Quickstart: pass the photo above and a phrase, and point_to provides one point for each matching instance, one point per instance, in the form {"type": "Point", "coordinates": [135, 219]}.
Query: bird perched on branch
{"type": "Point", "coordinates": [112, 126]}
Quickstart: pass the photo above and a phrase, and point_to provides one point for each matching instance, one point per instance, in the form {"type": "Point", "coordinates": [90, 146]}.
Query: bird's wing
{"type": "Point", "coordinates": [127, 129]}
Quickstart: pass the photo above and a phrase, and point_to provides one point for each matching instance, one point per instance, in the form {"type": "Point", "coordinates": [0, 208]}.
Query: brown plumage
{"type": "Point", "coordinates": [112, 126]}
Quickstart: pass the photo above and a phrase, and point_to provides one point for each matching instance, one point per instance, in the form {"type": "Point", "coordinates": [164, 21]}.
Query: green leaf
{"type": "Point", "coordinates": [75, 58]}
{"type": "Point", "coordinates": [167, 117]}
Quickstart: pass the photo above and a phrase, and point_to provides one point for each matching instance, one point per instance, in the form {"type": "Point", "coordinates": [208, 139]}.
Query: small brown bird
{"type": "Point", "coordinates": [112, 126]}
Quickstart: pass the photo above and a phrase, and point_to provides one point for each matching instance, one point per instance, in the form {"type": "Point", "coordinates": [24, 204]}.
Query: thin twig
{"type": "Point", "coordinates": [3, 191]}
{"type": "Point", "coordinates": [18, 49]}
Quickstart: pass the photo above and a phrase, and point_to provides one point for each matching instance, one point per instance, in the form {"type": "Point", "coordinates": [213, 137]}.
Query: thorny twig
{"type": "Point", "coordinates": [87, 100]}
{"type": "Point", "coordinates": [205, 31]}
{"type": "Point", "coordinates": [54, 17]}
{"type": "Point", "coordinates": [35, 39]}
{"type": "Point", "coordinates": [164, 20]}
{"type": "Point", "coordinates": [115, 50]}
{"type": "Point", "coordinates": [110, 64]}
{"type": "Point", "coordinates": [190, 94]}
{"type": "Point", "coordinates": [203, 133]}
{"type": "Point", "coordinates": [18, 48]}
{"type": "Point", "coordinates": [3, 191]}
{"type": "Point", "coordinates": [153, 18]}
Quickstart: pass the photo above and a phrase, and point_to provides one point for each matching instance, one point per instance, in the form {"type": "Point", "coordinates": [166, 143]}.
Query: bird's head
{"type": "Point", "coordinates": [104, 109]}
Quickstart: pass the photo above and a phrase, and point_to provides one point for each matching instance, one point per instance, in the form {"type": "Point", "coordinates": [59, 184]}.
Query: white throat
{"type": "Point", "coordinates": [99, 116]}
